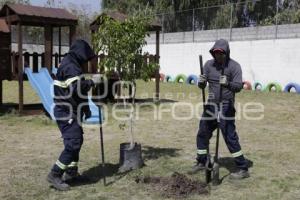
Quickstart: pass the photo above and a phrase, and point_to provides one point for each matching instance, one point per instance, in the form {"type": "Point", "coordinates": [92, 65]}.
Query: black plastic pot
{"type": "Point", "coordinates": [130, 159]}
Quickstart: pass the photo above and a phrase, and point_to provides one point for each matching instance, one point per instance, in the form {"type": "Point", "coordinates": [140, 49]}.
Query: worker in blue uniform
{"type": "Point", "coordinates": [71, 107]}
{"type": "Point", "coordinates": [231, 83]}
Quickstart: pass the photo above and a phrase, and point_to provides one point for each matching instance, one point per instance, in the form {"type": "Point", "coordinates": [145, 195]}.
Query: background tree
{"type": "Point", "coordinates": [122, 43]}
{"type": "Point", "coordinates": [2, 2]}
{"type": "Point", "coordinates": [288, 13]}
{"type": "Point", "coordinates": [224, 16]}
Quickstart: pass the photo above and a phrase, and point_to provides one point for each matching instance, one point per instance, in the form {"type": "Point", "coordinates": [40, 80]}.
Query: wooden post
{"type": "Point", "coordinates": [1, 93]}
{"type": "Point", "coordinates": [9, 26]}
{"type": "Point", "coordinates": [42, 59]}
{"type": "Point", "coordinates": [48, 47]}
{"type": "Point", "coordinates": [59, 44]}
{"type": "Point", "coordinates": [14, 64]}
{"type": "Point", "coordinates": [26, 59]}
{"type": "Point", "coordinates": [8, 19]}
{"type": "Point", "coordinates": [72, 35]}
{"type": "Point", "coordinates": [20, 68]}
{"type": "Point", "coordinates": [56, 60]}
{"type": "Point", "coordinates": [35, 62]}
{"type": "Point", "coordinates": [85, 67]}
{"type": "Point", "coordinates": [93, 65]}
{"type": "Point", "coordinates": [157, 76]}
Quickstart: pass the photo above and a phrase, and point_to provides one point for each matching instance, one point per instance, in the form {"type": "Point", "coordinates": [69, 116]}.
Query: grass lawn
{"type": "Point", "coordinates": [29, 145]}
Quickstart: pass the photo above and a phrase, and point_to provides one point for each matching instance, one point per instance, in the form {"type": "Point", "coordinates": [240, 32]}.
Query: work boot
{"type": "Point", "coordinates": [71, 174]}
{"type": "Point", "coordinates": [196, 168]}
{"type": "Point", "coordinates": [241, 174]}
{"type": "Point", "coordinates": [56, 181]}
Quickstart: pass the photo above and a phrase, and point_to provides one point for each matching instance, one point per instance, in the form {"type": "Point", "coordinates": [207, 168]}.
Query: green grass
{"type": "Point", "coordinates": [29, 145]}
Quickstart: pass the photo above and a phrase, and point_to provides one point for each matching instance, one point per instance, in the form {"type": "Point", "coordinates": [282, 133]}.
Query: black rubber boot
{"type": "Point", "coordinates": [56, 181]}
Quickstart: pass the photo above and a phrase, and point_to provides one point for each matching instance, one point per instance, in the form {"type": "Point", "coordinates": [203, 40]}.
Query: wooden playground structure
{"type": "Point", "coordinates": [18, 15]}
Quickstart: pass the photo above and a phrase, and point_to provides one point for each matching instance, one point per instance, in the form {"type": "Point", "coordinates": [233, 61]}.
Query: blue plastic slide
{"type": "Point", "coordinates": [42, 83]}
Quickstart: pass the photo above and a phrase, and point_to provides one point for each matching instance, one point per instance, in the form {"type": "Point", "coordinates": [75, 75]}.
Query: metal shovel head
{"type": "Point", "coordinates": [130, 158]}
{"type": "Point", "coordinates": [215, 174]}
{"type": "Point", "coordinates": [208, 169]}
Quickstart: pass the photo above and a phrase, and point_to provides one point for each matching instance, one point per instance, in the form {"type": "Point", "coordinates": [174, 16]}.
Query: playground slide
{"type": "Point", "coordinates": [42, 84]}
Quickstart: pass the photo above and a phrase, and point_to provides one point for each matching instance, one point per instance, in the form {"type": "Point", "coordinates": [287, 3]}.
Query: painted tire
{"type": "Point", "coordinates": [168, 79]}
{"type": "Point", "coordinates": [247, 85]}
{"type": "Point", "coordinates": [289, 86]}
{"type": "Point", "coordinates": [272, 85]}
{"type": "Point", "coordinates": [257, 85]}
{"type": "Point", "coordinates": [162, 77]}
{"type": "Point", "coordinates": [192, 80]}
{"type": "Point", "coordinates": [180, 77]}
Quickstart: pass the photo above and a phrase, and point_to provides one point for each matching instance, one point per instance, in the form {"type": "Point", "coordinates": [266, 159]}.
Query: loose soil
{"type": "Point", "coordinates": [177, 186]}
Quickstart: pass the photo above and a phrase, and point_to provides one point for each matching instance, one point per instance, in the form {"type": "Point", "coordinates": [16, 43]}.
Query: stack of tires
{"type": "Point", "coordinates": [257, 86]}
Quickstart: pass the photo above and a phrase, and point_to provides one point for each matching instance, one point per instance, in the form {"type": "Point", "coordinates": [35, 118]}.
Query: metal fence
{"type": "Point", "coordinates": [231, 15]}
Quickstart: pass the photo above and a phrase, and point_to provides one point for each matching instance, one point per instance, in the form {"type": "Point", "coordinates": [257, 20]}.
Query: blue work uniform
{"type": "Point", "coordinates": [71, 103]}
{"type": "Point", "coordinates": [208, 122]}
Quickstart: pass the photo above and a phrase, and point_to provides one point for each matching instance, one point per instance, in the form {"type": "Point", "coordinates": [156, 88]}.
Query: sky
{"type": "Point", "coordinates": [91, 5]}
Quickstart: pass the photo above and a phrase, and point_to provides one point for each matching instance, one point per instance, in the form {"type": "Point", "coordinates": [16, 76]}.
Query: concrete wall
{"type": "Point", "coordinates": [286, 31]}
{"type": "Point", "coordinates": [264, 60]}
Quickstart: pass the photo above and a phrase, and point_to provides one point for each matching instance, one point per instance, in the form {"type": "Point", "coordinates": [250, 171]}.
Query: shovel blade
{"type": "Point", "coordinates": [215, 174]}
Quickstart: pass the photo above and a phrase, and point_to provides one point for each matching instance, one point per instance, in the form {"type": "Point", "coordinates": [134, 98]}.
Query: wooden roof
{"type": "Point", "coordinates": [37, 16]}
{"type": "Point", "coordinates": [118, 16]}
{"type": "Point", "coordinates": [3, 26]}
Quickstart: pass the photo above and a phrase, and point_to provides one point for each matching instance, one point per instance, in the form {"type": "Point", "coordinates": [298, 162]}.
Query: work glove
{"type": "Point", "coordinates": [223, 80]}
{"type": "Point", "coordinates": [86, 112]}
{"type": "Point", "coordinates": [97, 79]}
{"type": "Point", "coordinates": [202, 81]}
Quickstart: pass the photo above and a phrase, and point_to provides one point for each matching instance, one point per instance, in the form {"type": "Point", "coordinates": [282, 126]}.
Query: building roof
{"type": "Point", "coordinates": [3, 26]}
{"type": "Point", "coordinates": [35, 15]}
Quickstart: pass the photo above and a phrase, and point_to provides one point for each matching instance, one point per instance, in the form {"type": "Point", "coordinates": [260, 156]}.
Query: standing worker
{"type": "Point", "coordinates": [231, 82]}
{"type": "Point", "coordinates": [70, 90]}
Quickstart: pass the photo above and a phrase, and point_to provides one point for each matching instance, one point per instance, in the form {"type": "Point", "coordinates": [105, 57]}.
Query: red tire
{"type": "Point", "coordinates": [247, 85]}
{"type": "Point", "coordinates": [162, 77]}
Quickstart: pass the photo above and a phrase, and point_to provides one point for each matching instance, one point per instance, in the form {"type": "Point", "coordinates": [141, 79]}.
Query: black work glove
{"type": "Point", "coordinates": [87, 114]}
{"type": "Point", "coordinates": [202, 81]}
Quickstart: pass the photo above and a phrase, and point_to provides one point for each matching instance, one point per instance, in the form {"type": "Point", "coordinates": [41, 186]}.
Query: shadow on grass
{"type": "Point", "coordinates": [152, 153]}
{"type": "Point", "coordinates": [95, 174]}
{"type": "Point", "coordinates": [229, 164]}
{"type": "Point", "coordinates": [151, 100]}
{"type": "Point", "coordinates": [137, 101]}
{"type": "Point", "coordinates": [28, 109]}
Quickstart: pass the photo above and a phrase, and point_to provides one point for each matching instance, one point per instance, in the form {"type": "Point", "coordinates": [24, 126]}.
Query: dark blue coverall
{"type": "Point", "coordinates": [68, 85]}
{"type": "Point", "coordinates": [208, 122]}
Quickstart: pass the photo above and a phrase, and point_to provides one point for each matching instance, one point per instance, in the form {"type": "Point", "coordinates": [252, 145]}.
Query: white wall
{"type": "Point", "coordinates": [261, 60]}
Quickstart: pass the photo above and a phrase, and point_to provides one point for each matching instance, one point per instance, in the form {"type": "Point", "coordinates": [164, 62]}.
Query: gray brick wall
{"type": "Point", "coordinates": [235, 34]}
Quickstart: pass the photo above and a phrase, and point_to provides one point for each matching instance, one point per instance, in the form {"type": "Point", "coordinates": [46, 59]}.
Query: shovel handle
{"type": "Point", "coordinates": [101, 141]}
{"type": "Point", "coordinates": [208, 167]}
{"type": "Point", "coordinates": [201, 72]}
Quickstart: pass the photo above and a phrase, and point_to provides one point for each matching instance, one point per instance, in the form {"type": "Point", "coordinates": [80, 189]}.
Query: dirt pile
{"type": "Point", "coordinates": [176, 186]}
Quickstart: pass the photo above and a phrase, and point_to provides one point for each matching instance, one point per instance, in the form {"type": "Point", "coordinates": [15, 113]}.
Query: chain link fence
{"type": "Point", "coordinates": [231, 15]}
